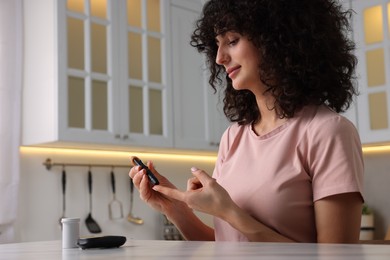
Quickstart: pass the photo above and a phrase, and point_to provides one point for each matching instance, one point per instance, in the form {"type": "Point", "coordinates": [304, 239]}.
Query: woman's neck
{"type": "Point", "coordinates": [269, 118]}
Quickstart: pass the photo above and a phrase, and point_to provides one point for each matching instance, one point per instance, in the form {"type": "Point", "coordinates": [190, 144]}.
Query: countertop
{"type": "Point", "coordinates": [159, 249]}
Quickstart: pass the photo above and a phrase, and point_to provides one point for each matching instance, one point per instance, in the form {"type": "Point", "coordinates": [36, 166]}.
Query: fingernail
{"type": "Point", "coordinates": [194, 169]}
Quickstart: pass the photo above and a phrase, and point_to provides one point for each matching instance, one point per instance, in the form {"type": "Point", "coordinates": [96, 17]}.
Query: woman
{"type": "Point", "coordinates": [290, 168]}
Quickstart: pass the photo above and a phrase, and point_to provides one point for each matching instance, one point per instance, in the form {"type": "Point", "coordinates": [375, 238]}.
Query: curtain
{"type": "Point", "coordinates": [10, 113]}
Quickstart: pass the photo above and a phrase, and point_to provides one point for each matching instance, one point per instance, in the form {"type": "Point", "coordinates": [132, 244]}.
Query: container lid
{"type": "Point", "coordinates": [67, 220]}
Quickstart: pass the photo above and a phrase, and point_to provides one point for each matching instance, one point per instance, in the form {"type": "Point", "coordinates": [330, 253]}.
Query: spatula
{"type": "Point", "coordinates": [91, 224]}
{"type": "Point", "coordinates": [115, 207]}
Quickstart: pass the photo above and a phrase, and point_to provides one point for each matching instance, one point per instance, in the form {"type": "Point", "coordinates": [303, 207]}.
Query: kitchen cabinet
{"type": "Point", "coordinates": [96, 72]}
{"type": "Point", "coordinates": [116, 74]}
{"type": "Point", "coordinates": [199, 119]}
{"type": "Point", "coordinates": [372, 36]}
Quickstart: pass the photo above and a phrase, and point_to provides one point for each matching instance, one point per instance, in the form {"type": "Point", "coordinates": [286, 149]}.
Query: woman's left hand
{"type": "Point", "coordinates": [203, 194]}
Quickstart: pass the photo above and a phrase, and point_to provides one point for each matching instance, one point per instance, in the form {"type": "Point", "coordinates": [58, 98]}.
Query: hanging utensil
{"type": "Point", "coordinates": [115, 206]}
{"type": "Point", "coordinates": [63, 185]}
{"type": "Point", "coordinates": [91, 224]}
{"type": "Point", "coordinates": [131, 218]}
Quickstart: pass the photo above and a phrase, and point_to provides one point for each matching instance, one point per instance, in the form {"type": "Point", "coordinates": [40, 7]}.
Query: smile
{"type": "Point", "coordinates": [232, 71]}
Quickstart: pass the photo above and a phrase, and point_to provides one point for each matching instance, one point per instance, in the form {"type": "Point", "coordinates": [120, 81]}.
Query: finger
{"type": "Point", "coordinates": [169, 192]}
{"type": "Point", "coordinates": [201, 175]}
{"type": "Point", "coordinates": [133, 171]}
{"type": "Point", "coordinates": [193, 184]}
{"type": "Point", "coordinates": [137, 177]}
{"type": "Point", "coordinates": [144, 188]}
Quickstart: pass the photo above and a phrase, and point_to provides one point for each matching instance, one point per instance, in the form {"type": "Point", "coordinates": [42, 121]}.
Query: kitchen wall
{"type": "Point", "coordinates": [377, 190]}
{"type": "Point", "coordinates": [40, 201]}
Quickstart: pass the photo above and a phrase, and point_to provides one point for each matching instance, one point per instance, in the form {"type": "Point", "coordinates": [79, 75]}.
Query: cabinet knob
{"type": "Point", "coordinates": [117, 136]}
{"type": "Point", "coordinates": [125, 137]}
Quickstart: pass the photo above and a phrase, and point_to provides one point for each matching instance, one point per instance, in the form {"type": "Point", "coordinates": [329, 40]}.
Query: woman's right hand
{"type": "Point", "coordinates": [153, 198]}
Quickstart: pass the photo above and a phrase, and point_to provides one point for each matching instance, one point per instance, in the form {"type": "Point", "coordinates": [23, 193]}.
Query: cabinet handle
{"type": "Point", "coordinates": [214, 144]}
{"type": "Point", "coordinates": [124, 137]}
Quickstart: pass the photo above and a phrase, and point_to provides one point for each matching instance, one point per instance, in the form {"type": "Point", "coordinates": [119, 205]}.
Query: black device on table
{"type": "Point", "coordinates": [101, 242]}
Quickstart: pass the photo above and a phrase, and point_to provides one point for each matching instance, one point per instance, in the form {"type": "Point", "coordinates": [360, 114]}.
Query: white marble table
{"type": "Point", "coordinates": [153, 249]}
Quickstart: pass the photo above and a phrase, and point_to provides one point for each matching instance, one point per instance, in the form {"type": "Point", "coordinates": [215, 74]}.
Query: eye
{"type": "Point", "coordinates": [233, 42]}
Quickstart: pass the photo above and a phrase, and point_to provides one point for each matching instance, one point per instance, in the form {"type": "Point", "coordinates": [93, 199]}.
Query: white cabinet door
{"type": "Point", "coordinates": [144, 86]}
{"type": "Point", "coordinates": [198, 124]}
{"type": "Point", "coordinates": [371, 34]}
{"type": "Point", "coordinates": [96, 73]}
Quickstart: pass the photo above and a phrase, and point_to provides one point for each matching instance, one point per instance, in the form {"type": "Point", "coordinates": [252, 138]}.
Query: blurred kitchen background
{"type": "Point", "coordinates": [97, 81]}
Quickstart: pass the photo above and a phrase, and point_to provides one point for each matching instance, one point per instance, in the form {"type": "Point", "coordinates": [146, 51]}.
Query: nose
{"type": "Point", "coordinates": [222, 56]}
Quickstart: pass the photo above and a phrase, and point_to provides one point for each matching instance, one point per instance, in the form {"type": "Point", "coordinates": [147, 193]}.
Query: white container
{"type": "Point", "coordinates": [367, 227]}
{"type": "Point", "coordinates": [70, 232]}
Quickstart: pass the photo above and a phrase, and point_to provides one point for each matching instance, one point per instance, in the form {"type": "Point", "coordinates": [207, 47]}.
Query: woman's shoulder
{"type": "Point", "coordinates": [235, 129]}
{"type": "Point", "coordinates": [323, 119]}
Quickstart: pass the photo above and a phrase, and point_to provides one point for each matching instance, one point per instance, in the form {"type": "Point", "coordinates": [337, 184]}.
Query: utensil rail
{"type": "Point", "coordinates": [48, 163]}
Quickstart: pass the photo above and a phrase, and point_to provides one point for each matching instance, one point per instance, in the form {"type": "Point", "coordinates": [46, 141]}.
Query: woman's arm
{"type": "Point", "coordinates": [338, 218]}
{"type": "Point", "coordinates": [190, 226]}
{"type": "Point", "coordinates": [337, 221]}
{"type": "Point", "coordinates": [206, 195]}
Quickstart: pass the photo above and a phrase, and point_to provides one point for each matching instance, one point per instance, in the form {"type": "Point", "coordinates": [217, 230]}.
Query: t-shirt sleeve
{"type": "Point", "coordinates": [335, 158]}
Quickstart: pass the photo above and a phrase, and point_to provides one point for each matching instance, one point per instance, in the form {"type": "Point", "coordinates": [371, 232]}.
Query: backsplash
{"type": "Point", "coordinates": [377, 192]}
{"type": "Point", "coordinates": [40, 199]}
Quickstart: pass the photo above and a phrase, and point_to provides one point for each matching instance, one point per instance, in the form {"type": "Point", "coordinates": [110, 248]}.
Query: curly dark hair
{"type": "Point", "coordinates": [306, 55]}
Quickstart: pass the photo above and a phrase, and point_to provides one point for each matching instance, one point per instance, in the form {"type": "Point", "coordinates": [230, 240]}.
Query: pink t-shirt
{"type": "Point", "coordinates": [277, 177]}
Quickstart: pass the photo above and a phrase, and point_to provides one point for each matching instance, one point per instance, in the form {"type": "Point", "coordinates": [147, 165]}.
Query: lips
{"type": "Point", "coordinates": [232, 71]}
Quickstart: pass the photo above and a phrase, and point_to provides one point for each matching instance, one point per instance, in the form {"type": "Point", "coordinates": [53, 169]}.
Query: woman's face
{"type": "Point", "coordinates": [240, 58]}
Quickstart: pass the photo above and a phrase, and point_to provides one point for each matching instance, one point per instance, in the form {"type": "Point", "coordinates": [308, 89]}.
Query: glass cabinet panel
{"type": "Point", "coordinates": [153, 14]}
{"type": "Point", "coordinates": [99, 105]}
{"type": "Point", "coordinates": [155, 110]}
{"type": "Point", "coordinates": [378, 111]}
{"type": "Point", "coordinates": [75, 43]}
{"type": "Point", "coordinates": [375, 60]}
{"type": "Point", "coordinates": [99, 48]}
{"type": "Point", "coordinates": [154, 59]}
{"type": "Point", "coordinates": [135, 55]}
{"type": "Point", "coordinates": [76, 102]}
{"type": "Point", "coordinates": [99, 8]}
{"type": "Point", "coordinates": [373, 24]}
{"type": "Point", "coordinates": [76, 6]}
{"type": "Point", "coordinates": [134, 13]}
{"type": "Point", "coordinates": [136, 122]}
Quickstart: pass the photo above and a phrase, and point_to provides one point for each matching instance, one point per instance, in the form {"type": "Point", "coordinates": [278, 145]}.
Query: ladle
{"type": "Point", "coordinates": [91, 224]}
{"type": "Point", "coordinates": [131, 218]}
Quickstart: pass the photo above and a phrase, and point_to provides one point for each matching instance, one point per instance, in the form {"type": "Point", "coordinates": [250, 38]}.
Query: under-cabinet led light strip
{"type": "Point", "coordinates": [118, 154]}
{"type": "Point", "coordinates": [376, 149]}
{"type": "Point", "coordinates": [165, 156]}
